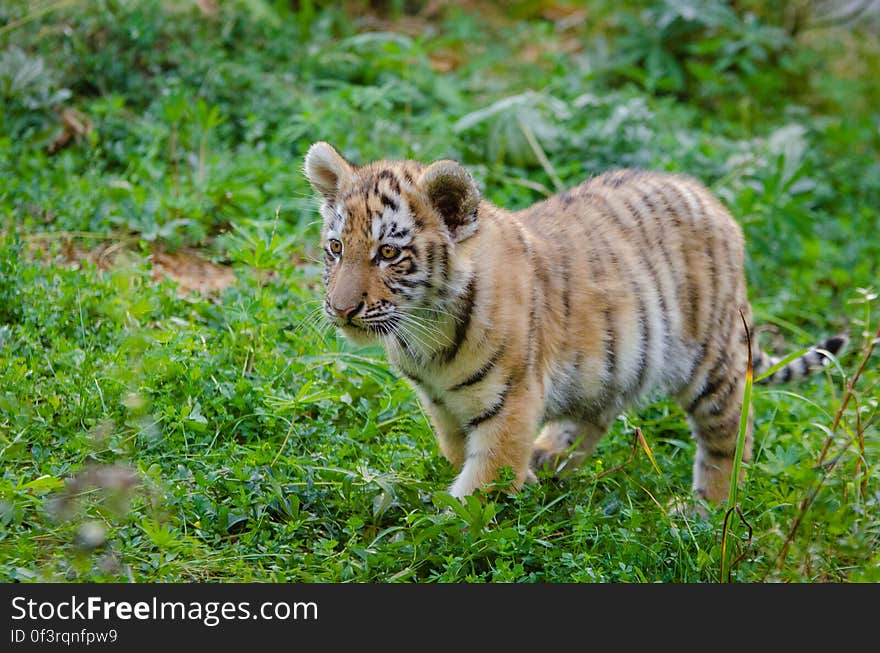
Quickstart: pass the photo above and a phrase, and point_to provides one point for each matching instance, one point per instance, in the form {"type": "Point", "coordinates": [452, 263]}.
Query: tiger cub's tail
{"type": "Point", "coordinates": [816, 358]}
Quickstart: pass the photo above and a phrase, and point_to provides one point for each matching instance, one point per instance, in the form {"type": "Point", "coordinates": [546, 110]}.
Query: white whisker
{"type": "Point", "coordinates": [405, 330]}
{"type": "Point", "coordinates": [431, 329]}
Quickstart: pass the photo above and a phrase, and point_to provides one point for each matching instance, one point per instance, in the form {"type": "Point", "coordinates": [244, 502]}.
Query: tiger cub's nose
{"type": "Point", "coordinates": [347, 312]}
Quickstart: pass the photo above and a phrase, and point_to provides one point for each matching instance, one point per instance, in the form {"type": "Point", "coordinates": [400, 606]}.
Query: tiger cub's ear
{"type": "Point", "coordinates": [454, 193]}
{"type": "Point", "coordinates": [326, 169]}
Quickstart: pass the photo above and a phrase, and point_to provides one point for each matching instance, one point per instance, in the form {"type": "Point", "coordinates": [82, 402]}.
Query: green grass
{"type": "Point", "coordinates": [153, 435]}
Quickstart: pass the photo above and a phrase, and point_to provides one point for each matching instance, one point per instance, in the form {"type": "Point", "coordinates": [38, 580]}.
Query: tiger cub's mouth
{"type": "Point", "coordinates": [363, 329]}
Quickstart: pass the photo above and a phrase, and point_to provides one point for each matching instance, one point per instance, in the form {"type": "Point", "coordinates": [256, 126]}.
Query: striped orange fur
{"type": "Point", "coordinates": [527, 333]}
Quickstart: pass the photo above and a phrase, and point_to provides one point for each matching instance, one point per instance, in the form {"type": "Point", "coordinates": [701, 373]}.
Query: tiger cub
{"type": "Point", "coordinates": [548, 321]}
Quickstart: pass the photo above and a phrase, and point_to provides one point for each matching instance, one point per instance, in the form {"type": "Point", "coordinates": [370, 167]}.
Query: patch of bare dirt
{"type": "Point", "coordinates": [191, 271]}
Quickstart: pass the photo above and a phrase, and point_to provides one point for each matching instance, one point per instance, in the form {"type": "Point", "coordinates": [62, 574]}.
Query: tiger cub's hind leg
{"type": "Point", "coordinates": [563, 445]}
{"type": "Point", "coordinates": [714, 415]}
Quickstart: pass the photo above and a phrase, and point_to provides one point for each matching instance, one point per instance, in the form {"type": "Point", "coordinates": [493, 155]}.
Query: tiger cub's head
{"type": "Point", "coordinates": [389, 233]}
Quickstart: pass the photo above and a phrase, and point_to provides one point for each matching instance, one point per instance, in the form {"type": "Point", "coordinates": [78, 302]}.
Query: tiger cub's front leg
{"type": "Point", "coordinates": [447, 430]}
{"type": "Point", "coordinates": [499, 437]}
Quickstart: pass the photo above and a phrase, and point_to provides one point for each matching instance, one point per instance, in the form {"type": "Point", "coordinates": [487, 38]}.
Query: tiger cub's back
{"type": "Point", "coordinates": [658, 261]}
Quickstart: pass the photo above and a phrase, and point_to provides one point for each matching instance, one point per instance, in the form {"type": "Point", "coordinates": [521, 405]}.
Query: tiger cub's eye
{"type": "Point", "coordinates": [335, 246]}
{"type": "Point", "coordinates": [388, 252]}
